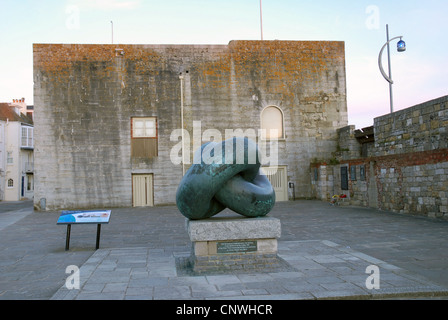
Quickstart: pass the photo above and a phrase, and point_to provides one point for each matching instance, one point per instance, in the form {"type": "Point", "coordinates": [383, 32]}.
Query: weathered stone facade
{"type": "Point", "coordinates": [86, 96]}
{"type": "Point", "coordinates": [405, 169]}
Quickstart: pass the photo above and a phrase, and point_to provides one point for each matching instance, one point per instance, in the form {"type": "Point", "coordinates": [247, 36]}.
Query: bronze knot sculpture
{"type": "Point", "coordinates": [225, 175]}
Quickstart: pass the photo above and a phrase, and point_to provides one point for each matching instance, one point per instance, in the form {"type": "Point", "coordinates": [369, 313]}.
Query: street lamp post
{"type": "Point", "coordinates": [181, 78]}
{"type": "Point", "coordinates": [401, 47]}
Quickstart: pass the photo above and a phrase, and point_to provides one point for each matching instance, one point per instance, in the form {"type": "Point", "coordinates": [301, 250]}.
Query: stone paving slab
{"type": "Point", "coordinates": [33, 260]}
{"type": "Point", "coordinates": [13, 211]}
{"type": "Point", "coordinates": [319, 269]}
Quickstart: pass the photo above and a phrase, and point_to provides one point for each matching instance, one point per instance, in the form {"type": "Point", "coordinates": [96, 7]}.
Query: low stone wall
{"type": "Point", "coordinates": [408, 183]}
{"type": "Point", "coordinates": [407, 170]}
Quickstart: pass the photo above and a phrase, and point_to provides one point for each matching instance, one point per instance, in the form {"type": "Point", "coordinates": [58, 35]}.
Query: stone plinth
{"type": "Point", "coordinates": [234, 243]}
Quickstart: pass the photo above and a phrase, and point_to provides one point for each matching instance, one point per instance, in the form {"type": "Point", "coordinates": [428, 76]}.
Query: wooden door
{"type": "Point", "coordinates": [142, 190]}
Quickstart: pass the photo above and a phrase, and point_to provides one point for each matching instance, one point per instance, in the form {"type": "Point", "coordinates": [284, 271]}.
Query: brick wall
{"type": "Point", "coordinates": [86, 95]}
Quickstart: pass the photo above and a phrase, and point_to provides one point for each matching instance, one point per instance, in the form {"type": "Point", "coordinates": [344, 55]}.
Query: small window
{"type": "Point", "coordinates": [144, 127]}
{"type": "Point", "coordinates": [353, 173]}
{"type": "Point", "coordinates": [10, 183]}
{"type": "Point", "coordinates": [272, 123]}
{"type": "Point", "coordinates": [9, 158]}
{"type": "Point", "coordinates": [344, 178]}
{"type": "Point", "coordinates": [30, 182]}
{"type": "Point", "coordinates": [27, 137]}
{"type": "Point", "coordinates": [144, 142]}
{"type": "Point", "coordinates": [362, 172]}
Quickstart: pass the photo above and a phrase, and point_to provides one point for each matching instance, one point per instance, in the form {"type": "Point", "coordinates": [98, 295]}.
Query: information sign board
{"type": "Point", "coordinates": [84, 216]}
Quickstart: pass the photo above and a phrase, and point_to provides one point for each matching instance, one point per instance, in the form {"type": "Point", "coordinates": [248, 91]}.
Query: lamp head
{"type": "Point", "coordinates": [401, 46]}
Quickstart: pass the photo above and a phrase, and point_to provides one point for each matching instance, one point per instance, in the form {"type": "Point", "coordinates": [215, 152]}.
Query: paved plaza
{"type": "Point", "coordinates": [329, 252]}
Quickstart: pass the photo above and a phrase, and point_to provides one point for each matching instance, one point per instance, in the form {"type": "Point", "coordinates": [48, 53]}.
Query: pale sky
{"type": "Point", "coordinates": [419, 74]}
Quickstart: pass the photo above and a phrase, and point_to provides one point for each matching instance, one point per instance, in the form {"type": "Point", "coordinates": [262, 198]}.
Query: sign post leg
{"type": "Point", "coordinates": [67, 238]}
{"type": "Point", "coordinates": [98, 232]}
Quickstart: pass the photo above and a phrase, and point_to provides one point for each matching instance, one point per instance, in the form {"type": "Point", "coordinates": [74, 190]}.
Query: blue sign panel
{"type": "Point", "coordinates": [84, 216]}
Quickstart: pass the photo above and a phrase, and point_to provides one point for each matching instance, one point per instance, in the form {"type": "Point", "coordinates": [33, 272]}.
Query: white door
{"type": "Point", "coordinates": [142, 194]}
{"type": "Point", "coordinates": [277, 177]}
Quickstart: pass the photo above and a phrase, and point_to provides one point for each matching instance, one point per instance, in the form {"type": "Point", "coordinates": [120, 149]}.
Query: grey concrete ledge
{"type": "Point", "coordinates": [233, 228]}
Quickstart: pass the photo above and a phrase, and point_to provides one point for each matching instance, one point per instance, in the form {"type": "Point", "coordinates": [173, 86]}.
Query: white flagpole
{"type": "Point", "coordinates": [261, 20]}
{"type": "Point", "coordinates": [112, 29]}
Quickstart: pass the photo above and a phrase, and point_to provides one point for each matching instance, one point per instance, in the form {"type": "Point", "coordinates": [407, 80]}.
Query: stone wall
{"type": "Point", "coordinates": [86, 95]}
{"type": "Point", "coordinates": [408, 169]}
{"type": "Point", "coordinates": [422, 127]}
{"type": "Point", "coordinates": [348, 147]}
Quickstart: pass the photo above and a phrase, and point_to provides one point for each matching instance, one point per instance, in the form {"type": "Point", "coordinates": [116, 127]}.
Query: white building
{"type": "Point", "coordinates": [16, 154]}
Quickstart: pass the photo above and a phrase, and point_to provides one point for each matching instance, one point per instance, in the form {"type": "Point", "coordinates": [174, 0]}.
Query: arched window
{"type": "Point", "coordinates": [10, 183]}
{"type": "Point", "coordinates": [272, 123]}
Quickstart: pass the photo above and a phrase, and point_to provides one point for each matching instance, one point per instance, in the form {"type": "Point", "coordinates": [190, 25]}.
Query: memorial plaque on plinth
{"type": "Point", "coordinates": [229, 244]}
{"type": "Point", "coordinates": [236, 247]}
